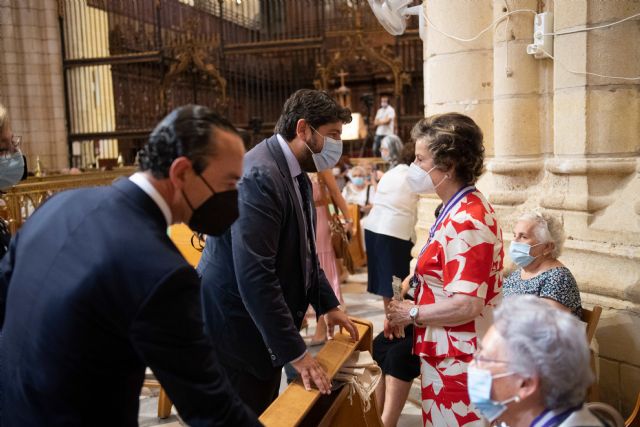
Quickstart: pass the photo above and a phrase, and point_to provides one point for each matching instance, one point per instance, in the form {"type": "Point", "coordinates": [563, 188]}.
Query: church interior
{"type": "Point", "coordinates": [554, 86]}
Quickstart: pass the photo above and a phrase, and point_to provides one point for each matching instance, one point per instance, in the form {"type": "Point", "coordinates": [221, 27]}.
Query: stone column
{"type": "Point", "coordinates": [91, 106]}
{"type": "Point", "coordinates": [458, 75]}
{"type": "Point", "coordinates": [31, 83]}
{"type": "Point", "coordinates": [594, 177]}
{"type": "Point", "coordinates": [521, 102]}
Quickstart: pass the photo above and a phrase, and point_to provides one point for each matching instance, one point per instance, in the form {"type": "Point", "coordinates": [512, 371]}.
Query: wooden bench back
{"type": "Point", "coordinates": [298, 407]}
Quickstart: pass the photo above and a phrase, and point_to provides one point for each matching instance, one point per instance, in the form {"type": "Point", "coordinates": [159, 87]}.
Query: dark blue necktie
{"type": "Point", "coordinates": [307, 206]}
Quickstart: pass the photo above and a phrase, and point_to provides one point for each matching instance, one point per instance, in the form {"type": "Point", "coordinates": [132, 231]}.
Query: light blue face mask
{"type": "Point", "coordinates": [479, 388]}
{"type": "Point", "coordinates": [358, 180]}
{"type": "Point", "coordinates": [11, 170]}
{"type": "Point", "coordinates": [330, 154]}
{"type": "Point", "coordinates": [520, 253]}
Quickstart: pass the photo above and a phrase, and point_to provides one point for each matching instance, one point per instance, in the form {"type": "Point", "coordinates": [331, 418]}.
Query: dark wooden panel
{"type": "Point", "coordinates": [264, 49]}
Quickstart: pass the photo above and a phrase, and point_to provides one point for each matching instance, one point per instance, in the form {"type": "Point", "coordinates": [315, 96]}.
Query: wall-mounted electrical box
{"type": "Point", "coordinates": [542, 45]}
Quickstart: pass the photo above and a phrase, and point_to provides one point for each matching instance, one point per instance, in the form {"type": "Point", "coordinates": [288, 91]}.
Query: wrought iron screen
{"type": "Point", "coordinates": [129, 62]}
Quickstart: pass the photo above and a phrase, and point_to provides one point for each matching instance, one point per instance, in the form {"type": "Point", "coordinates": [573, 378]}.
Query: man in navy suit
{"type": "Point", "coordinates": [92, 289]}
{"type": "Point", "coordinates": [259, 278]}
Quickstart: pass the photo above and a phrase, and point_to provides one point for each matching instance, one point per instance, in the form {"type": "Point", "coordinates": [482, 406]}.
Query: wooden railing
{"type": "Point", "coordinates": [24, 198]}
{"type": "Point", "coordinates": [296, 407]}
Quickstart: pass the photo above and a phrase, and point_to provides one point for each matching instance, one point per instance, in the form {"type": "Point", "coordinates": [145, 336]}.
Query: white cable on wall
{"type": "Point", "coordinates": [580, 30]}
{"type": "Point", "coordinates": [506, 15]}
{"type": "Point", "coordinates": [587, 73]}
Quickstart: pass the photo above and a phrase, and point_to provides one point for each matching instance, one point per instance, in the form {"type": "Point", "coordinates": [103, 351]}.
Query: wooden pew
{"type": "Point", "coordinates": [298, 407]}
{"type": "Point", "coordinates": [356, 247]}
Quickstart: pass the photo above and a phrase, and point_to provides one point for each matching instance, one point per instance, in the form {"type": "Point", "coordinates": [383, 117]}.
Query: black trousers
{"type": "Point", "coordinates": [255, 392]}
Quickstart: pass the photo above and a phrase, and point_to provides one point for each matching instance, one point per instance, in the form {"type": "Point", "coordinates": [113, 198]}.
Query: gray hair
{"type": "Point", "coordinates": [549, 343]}
{"type": "Point", "coordinates": [548, 228]}
{"type": "Point", "coordinates": [394, 144]}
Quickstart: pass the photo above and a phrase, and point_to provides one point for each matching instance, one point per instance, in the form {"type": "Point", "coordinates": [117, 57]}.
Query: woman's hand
{"type": "Point", "coordinates": [406, 284]}
{"type": "Point", "coordinates": [390, 332]}
{"type": "Point", "coordinates": [398, 313]}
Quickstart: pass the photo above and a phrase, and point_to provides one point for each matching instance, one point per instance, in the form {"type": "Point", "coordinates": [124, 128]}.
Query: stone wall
{"type": "Point", "coordinates": [557, 139]}
{"type": "Point", "coordinates": [31, 82]}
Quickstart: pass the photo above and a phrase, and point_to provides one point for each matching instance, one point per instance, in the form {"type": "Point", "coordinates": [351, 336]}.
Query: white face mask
{"type": "Point", "coordinates": [420, 181]}
{"type": "Point", "coordinates": [479, 388]}
{"type": "Point", "coordinates": [330, 154]}
{"type": "Point", "coordinates": [11, 169]}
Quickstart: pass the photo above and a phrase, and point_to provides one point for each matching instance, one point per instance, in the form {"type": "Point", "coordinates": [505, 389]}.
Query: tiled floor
{"type": "Point", "coordinates": [359, 304]}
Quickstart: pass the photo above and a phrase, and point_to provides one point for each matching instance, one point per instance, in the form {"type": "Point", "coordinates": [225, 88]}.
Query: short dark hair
{"type": "Point", "coordinates": [186, 131]}
{"type": "Point", "coordinates": [314, 106]}
{"type": "Point", "coordinates": [408, 153]}
{"type": "Point", "coordinates": [453, 140]}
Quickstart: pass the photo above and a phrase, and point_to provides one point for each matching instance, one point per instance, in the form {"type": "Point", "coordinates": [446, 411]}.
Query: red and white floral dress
{"type": "Point", "coordinates": [464, 255]}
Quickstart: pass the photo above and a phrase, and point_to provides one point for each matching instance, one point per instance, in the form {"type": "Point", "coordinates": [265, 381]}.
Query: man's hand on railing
{"type": "Point", "coordinates": [310, 370]}
{"type": "Point", "coordinates": [337, 317]}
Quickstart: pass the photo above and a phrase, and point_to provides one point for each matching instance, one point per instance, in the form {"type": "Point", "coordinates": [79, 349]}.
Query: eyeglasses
{"type": "Point", "coordinates": [478, 357]}
{"type": "Point", "coordinates": [198, 241]}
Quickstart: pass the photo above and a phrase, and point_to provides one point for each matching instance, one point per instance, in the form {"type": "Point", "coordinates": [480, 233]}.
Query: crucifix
{"type": "Point", "coordinates": [343, 93]}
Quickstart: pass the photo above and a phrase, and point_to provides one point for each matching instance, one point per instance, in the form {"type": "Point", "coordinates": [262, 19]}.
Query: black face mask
{"type": "Point", "coordinates": [216, 214]}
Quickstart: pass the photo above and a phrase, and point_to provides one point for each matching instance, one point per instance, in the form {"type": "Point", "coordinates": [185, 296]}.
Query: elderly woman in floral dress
{"type": "Point", "coordinates": [458, 271]}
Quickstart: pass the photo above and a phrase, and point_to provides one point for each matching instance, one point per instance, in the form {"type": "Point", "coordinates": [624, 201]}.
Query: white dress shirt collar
{"type": "Point", "coordinates": [141, 180]}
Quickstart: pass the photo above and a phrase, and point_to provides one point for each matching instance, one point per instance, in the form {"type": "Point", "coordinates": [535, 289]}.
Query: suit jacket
{"type": "Point", "coordinates": [253, 277]}
{"type": "Point", "coordinates": [92, 291]}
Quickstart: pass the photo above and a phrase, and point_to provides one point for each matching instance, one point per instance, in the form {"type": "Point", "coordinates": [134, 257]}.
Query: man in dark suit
{"type": "Point", "coordinates": [259, 278]}
{"type": "Point", "coordinates": [92, 289]}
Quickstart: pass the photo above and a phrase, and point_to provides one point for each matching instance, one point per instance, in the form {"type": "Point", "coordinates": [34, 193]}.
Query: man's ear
{"type": "Point", "coordinates": [178, 172]}
{"type": "Point", "coordinates": [301, 129]}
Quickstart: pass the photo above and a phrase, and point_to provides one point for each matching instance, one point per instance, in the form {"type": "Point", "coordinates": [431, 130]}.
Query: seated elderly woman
{"type": "Point", "coordinates": [537, 242]}
{"type": "Point", "coordinates": [358, 191]}
{"type": "Point", "coordinates": [532, 367]}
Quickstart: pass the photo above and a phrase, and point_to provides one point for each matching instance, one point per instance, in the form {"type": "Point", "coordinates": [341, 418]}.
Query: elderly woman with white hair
{"type": "Point", "coordinates": [538, 238]}
{"type": "Point", "coordinates": [391, 150]}
{"type": "Point", "coordinates": [532, 368]}
{"type": "Point", "coordinates": [358, 191]}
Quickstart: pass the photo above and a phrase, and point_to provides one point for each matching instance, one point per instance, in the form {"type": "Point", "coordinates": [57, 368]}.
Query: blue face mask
{"type": "Point", "coordinates": [479, 388]}
{"type": "Point", "coordinates": [358, 180]}
{"type": "Point", "coordinates": [330, 154]}
{"type": "Point", "coordinates": [520, 253]}
{"type": "Point", "coordinates": [11, 170]}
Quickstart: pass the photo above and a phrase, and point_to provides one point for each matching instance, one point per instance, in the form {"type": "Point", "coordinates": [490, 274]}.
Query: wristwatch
{"type": "Point", "coordinates": [413, 313]}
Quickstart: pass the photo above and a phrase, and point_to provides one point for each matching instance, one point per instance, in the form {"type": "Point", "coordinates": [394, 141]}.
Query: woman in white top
{"type": "Point", "coordinates": [389, 228]}
{"type": "Point", "coordinates": [358, 192]}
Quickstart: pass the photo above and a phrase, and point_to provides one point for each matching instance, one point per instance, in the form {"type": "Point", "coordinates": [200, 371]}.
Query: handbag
{"type": "Point", "coordinates": [340, 242]}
